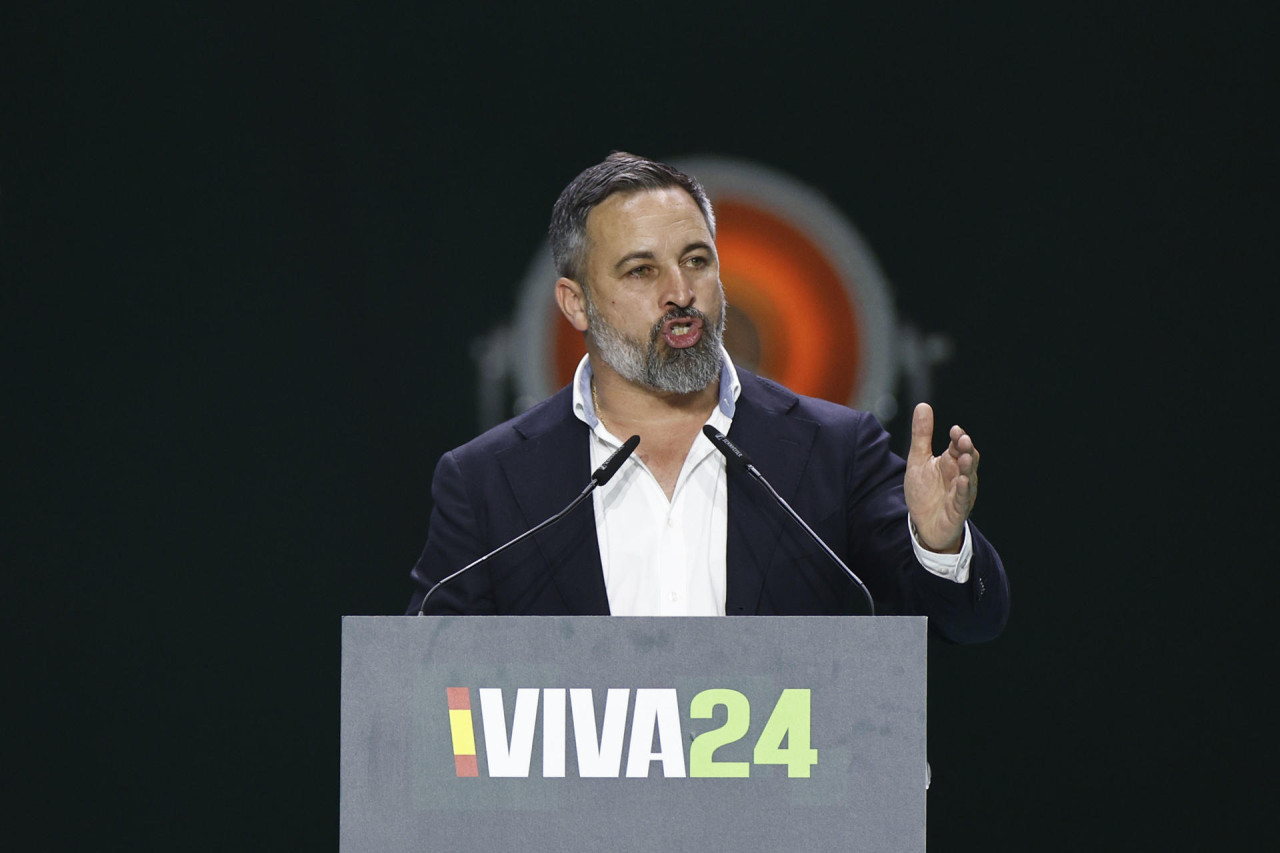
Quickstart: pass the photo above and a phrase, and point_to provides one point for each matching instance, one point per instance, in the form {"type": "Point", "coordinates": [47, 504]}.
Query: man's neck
{"type": "Point", "coordinates": [667, 423]}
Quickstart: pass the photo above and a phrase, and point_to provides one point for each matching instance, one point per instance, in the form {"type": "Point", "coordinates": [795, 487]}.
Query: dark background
{"type": "Point", "coordinates": [245, 253]}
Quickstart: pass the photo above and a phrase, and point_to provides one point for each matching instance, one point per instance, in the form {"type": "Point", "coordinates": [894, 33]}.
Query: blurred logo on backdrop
{"type": "Point", "coordinates": [808, 305]}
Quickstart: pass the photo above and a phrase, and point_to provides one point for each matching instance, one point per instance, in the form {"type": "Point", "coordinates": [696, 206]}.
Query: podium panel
{"type": "Point", "coordinates": [578, 733]}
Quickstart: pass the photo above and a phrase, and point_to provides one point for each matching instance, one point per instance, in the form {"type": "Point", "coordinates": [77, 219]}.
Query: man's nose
{"type": "Point", "coordinates": [679, 290]}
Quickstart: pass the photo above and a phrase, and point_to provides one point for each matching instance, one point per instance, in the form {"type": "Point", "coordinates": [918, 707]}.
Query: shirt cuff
{"type": "Point", "coordinates": [953, 567]}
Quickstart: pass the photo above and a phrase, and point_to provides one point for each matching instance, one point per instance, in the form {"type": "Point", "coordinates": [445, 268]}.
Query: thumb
{"type": "Point", "coordinates": [921, 433]}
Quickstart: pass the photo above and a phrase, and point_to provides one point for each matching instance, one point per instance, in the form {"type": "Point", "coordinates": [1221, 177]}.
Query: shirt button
{"type": "Point", "coordinates": [671, 596]}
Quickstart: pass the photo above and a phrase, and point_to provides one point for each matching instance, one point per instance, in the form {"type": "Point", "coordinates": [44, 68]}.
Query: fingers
{"type": "Point", "coordinates": [965, 484]}
{"type": "Point", "coordinates": [921, 432]}
{"type": "Point", "coordinates": [963, 451]}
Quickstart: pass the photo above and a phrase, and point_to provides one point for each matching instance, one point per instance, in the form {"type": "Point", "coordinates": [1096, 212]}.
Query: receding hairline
{"type": "Point", "coordinates": [620, 172]}
{"type": "Point", "coordinates": [588, 244]}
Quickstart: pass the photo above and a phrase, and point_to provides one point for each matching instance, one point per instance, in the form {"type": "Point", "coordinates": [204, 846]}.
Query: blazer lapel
{"type": "Point", "coordinates": [545, 472]}
{"type": "Point", "coordinates": [780, 445]}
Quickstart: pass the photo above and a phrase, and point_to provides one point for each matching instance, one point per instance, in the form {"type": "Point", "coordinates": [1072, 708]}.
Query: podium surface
{"type": "Point", "coordinates": [608, 733]}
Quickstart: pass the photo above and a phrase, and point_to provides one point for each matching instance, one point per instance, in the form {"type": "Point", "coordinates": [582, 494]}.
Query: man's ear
{"type": "Point", "coordinates": [572, 302]}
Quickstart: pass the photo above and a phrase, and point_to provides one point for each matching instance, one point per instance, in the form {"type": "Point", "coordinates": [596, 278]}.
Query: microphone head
{"type": "Point", "coordinates": [730, 450]}
{"type": "Point", "coordinates": [611, 465]}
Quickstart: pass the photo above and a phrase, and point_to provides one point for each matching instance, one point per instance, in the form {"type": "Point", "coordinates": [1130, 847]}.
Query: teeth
{"type": "Point", "coordinates": [680, 330]}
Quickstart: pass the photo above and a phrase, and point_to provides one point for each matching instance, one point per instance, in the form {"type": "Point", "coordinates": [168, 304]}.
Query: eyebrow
{"type": "Point", "coordinates": [645, 255]}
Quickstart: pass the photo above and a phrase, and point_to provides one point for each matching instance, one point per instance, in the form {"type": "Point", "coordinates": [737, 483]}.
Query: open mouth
{"type": "Point", "coordinates": [682, 332]}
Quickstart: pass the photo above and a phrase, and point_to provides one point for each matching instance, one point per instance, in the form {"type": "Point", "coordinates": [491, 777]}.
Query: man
{"type": "Point", "coordinates": [676, 532]}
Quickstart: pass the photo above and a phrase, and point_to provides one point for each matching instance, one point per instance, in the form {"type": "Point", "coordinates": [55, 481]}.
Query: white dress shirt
{"type": "Point", "coordinates": [667, 557]}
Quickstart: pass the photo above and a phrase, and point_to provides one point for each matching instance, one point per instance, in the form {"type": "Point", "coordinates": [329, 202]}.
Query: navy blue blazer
{"type": "Point", "coordinates": [831, 463]}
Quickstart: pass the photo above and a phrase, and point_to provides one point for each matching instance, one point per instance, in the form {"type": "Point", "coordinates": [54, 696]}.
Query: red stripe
{"type": "Point", "coordinates": [459, 698]}
{"type": "Point", "coordinates": [466, 765]}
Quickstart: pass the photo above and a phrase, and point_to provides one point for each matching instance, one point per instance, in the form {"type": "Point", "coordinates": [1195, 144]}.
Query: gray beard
{"type": "Point", "coordinates": [675, 371]}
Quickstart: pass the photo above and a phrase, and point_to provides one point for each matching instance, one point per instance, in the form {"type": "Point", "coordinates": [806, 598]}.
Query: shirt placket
{"type": "Point", "coordinates": [673, 564]}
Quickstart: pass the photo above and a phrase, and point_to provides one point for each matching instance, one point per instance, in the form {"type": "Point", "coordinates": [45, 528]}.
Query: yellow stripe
{"type": "Point", "coordinates": [464, 736]}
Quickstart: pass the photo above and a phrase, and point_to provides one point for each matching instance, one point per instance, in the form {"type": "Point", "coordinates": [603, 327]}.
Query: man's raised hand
{"type": "Point", "coordinates": [940, 490]}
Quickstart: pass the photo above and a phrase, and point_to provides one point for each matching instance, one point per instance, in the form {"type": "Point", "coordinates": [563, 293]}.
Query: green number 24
{"type": "Point", "coordinates": [789, 721]}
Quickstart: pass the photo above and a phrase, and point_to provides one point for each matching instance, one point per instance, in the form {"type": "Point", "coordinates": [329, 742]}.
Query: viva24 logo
{"type": "Point", "coordinates": [654, 713]}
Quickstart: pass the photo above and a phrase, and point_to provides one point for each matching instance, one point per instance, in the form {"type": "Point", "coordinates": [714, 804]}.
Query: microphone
{"type": "Point", "coordinates": [599, 477]}
{"type": "Point", "coordinates": [734, 455]}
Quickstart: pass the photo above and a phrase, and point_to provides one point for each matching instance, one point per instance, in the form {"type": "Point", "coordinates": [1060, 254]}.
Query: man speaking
{"type": "Point", "coordinates": [680, 528]}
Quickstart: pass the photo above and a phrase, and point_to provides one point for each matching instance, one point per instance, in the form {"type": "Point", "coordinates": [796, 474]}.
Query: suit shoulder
{"type": "Point", "coordinates": [555, 411]}
{"type": "Point", "coordinates": [780, 399]}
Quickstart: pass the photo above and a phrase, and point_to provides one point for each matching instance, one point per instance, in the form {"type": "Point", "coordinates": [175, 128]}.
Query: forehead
{"type": "Point", "coordinates": [646, 220]}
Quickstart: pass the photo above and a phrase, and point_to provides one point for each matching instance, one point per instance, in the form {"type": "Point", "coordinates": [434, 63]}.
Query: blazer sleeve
{"type": "Point", "coordinates": [879, 542]}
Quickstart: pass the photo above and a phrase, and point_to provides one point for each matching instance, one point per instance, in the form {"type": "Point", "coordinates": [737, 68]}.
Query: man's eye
{"type": "Point", "coordinates": [697, 262]}
{"type": "Point", "coordinates": [638, 272]}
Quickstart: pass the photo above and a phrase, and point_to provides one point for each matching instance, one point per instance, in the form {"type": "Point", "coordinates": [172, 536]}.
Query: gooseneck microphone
{"type": "Point", "coordinates": [602, 475]}
{"type": "Point", "coordinates": [734, 455]}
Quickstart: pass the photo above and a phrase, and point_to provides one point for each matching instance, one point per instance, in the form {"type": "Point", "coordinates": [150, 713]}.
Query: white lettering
{"type": "Point", "coordinates": [655, 708]}
{"type": "Point", "coordinates": [603, 757]}
{"type": "Point", "coordinates": [508, 758]}
{"type": "Point", "coordinates": [553, 732]}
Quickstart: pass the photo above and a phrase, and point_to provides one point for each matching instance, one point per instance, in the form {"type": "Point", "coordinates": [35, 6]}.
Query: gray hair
{"type": "Point", "coordinates": [619, 172]}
